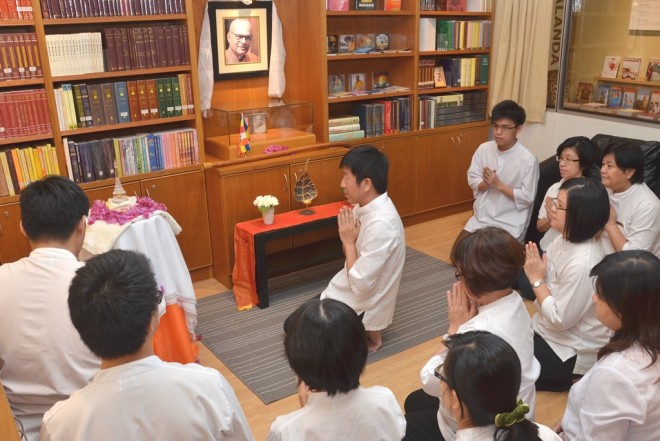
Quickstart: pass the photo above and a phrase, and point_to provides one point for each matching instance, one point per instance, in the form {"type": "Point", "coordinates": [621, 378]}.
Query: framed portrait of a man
{"type": "Point", "coordinates": [240, 38]}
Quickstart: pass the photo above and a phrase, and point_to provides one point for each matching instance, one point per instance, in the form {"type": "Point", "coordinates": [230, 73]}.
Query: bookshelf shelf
{"type": "Point", "coordinates": [23, 139]}
{"type": "Point", "coordinates": [15, 23]}
{"type": "Point", "coordinates": [110, 20]}
{"type": "Point", "coordinates": [114, 127]}
{"type": "Point", "coordinates": [450, 89]}
{"type": "Point", "coordinates": [370, 13]}
{"type": "Point", "coordinates": [368, 97]}
{"type": "Point", "coordinates": [122, 74]}
{"type": "Point", "coordinates": [371, 56]}
{"type": "Point", "coordinates": [455, 52]}
{"type": "Point", "coordinates": [18, 83]}
{"type": "Point", "coordinates": [484, 15]}
{"type": "Point", "coordinates": [633, 82]}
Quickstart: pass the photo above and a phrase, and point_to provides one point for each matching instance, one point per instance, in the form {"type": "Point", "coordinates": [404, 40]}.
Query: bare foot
{"type": "Point", "coordinates": [374, 340]}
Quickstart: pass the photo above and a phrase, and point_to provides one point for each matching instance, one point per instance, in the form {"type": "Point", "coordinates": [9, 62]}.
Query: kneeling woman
{"type": "Point", "coordinates": [567, 333]}
{"type": "Point", "coordinates": [480, 379]}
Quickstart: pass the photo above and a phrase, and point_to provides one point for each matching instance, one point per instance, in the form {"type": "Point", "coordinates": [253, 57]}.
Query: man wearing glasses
{"type": "Point", "coordinates": [239, 39]}
{"type": "Point", "coordinates": [503, 176]}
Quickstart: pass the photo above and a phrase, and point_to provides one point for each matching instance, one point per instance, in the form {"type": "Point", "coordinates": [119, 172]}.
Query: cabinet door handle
{"type": "Point", "coordinates": [153, 186]}
{"type": "Point", "coordinates": [147, 190]}
{"type": "Point", "coordinates": [286, 183]}
{"type": "Point", "coordinates": [460, 140]}
{"type": "Point", "coordinates": [453, 144]}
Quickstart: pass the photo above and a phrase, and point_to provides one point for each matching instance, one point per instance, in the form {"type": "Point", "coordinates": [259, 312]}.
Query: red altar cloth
{"type": "Point", "coordinates": [245, 286]}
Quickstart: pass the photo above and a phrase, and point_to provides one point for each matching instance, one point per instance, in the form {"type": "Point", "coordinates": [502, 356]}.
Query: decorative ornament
{"type": "Point", "coordinates": [305, 190]}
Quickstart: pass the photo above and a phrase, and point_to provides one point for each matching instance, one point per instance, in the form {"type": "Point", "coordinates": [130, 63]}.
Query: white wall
{"type": "Point", "coordinates": [543, 139]}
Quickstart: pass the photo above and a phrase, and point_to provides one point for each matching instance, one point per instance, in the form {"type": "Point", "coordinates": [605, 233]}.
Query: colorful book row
{"type": "Point", "coordinates": [21, 166]}
{"type": "Point", "coordinates": [24, 113]}
{"type": "Point", "coordinates": [109, 8]}
{"type": "Point", "coordinates": [75, 54]}
{"type": "Point", "coordinates": [16, 10]}
{"type": "Point", "coordinates": [456, 5]}
{"type": "Point", "coordinates": [19, 56]}
{"type": "Point", "coordinates": [94, 105]}
{"type": "Point", "coordinates": [362, 5]}
{"type": "Point", "coordinates": [105, 158]}
{"type": "Point", "coordinates": [384, 117]}
{"type": "Point", "coordinates": [454, 108]}
{"type": "Point", "coordinates": [146, 47]}
{"type": "Point", "coordinates": [443, 35]}
{"type": "Point", "coordinates": [454, 72]}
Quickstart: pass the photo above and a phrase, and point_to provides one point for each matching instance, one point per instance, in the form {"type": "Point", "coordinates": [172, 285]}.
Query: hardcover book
{"type": "Point", "coordinates": [584, 92]}
{"type": "Point", "coordinates": [653, 70]}
{"type": "Point", "coordinates": [96, 104]}
{"type": "Point", "coordinates": [380, 80]}
{"type": "Point", "coordinates": [143, 100]}
{"type": "Point", "coordinates": [133, 100]}
{"type": "Point", "coordinates": [121, 97]}
{"type": "Point", "coordinates": [610, 66]}
{"type": "Point", "coordinates": [630, 68]}
{"type": "Point", "coordinates": [346, 44]}
{"type": "Point", "coordinates": [336, 84]}
{"type": "Point", "coordinates": [109, 103]}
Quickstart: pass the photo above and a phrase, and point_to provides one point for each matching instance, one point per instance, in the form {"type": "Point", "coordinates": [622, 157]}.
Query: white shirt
{"type": "Point", "coordinates": [638, 214]}
{"type": "Point", "coordinates": [507, 318]}
{"type": "Point", "coordinates": [372, 284]}
{"type": "Point", "coordinates": [362, 414]}
{"type": "Point", "coordinates": [517, 168]}
{"type": "Point", "coordinates": [618, 399]}
{"type": "Point", "coordinates": [567, 318]}
{"type": "Point", "coordinates": [486, 433]}
{"type": "Point", "coordinates": [149, 399]}
{"type": "Point", "coordinates": [551, 234]}
{"type": "Point", "coordinates": [42, 358]}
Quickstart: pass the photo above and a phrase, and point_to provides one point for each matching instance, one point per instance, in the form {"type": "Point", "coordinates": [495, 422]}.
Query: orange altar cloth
{"type": "Point", "coordinates": [244, 277]}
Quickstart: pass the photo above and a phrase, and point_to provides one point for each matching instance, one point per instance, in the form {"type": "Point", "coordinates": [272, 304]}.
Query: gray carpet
{"type": "Point", "coordinates": [250, 342]}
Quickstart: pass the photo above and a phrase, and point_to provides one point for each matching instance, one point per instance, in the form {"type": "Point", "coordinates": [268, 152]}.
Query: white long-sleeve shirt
{"type": "Point", "coordinates": [372, 284]}
{"type": "Point", "coordinates": [507, 318]}
{"type": "Point", "coordinates": [517, 168]}
{"type": "Point", "coordinates": [618, 399]}
{"type": "Point", "coordinates": [567, 318]}
{"type": "Point", "coordinates": [551, 234]}
{"type": "Point", "coordinates": [638, 214]}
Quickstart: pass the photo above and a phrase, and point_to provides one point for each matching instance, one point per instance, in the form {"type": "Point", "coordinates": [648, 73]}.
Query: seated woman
{"type": "Point", "coordinates": [480, 379]}
{"type": "Point", "coordinates": [566, 332]}
{"type": "Point", "coordinates": [619, 398]}
{"type": "Point", "coordinates": [487, 263]}
{"type": "Point", "coordinates": [634, 222]}
{"type": "Point", "coordinates": [326, 346]}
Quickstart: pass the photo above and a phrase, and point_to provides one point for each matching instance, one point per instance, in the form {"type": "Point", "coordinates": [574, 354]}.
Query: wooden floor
{"type": "Point", "coordinates": [399, 372]}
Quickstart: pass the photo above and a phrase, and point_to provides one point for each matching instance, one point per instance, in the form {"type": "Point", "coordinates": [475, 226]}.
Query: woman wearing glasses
{"type": "Point", "coordinates": [567, 334]}
{"type": "Point", "coordinates": [619, 398]}
{"type": "Point", "coordinates": [487, 263]}
{"type": "Point", "coordinates": [479, 383]}
{"type": "Point", "coordinates": [634, 222]}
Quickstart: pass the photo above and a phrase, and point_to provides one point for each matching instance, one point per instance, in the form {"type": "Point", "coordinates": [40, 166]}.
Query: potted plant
{"type": "Point", "coordinates": [266, 205]}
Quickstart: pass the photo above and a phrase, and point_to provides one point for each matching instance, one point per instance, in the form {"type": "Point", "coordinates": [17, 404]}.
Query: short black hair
{"type": "Point", "coordinates": [326, 345]}
{"type": "Point", "coordinates": [51, 208]}
{"type": "Point", "coordinates": [111, 302]}
{"type": "Point", "coordinates": [587, 151]}
{"type": "Point", "coordinates": [488, 260]}
{"type": "Point", "coordinates": [628, 156]}
{"type": "Point", "coordinates": [587, 208]}
{"type": "Point", "coordinates": [509, 109]}
{"type": "Point", "coordinates": [366, 161]}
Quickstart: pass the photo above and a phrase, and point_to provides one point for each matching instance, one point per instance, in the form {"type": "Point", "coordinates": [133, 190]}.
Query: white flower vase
{"type": "Point", "coordinates": [268, 215]}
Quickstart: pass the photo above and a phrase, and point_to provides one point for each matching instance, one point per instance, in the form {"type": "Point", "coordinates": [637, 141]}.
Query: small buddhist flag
{"type": "Point", "coordinates": [244, 141]}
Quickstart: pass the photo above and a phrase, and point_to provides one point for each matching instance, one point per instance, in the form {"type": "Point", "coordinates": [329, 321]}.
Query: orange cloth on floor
{"type": "Point", "coordinates": [172, 339]}
{"type": "Point", "coordinates": [244, 277]}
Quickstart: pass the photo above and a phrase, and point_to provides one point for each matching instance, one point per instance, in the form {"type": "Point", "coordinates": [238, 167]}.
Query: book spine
{"type": "Point", "coordinates": [80, 110]}
{"type": "Point", "coordinates": [346, 136]}
{"type": "Point", "coordinates": [152, 97]}
{"type": "Point", "coordinates": [123, 107]}
{"type": "Point", "coordinates": [96, 104]}
{"type": "Point", "coordinates": [143, 100]}
{"type": "Point", "coordinates": [87, 108]}
{"type": "Point", "coordinates": [133, 100]}
{"type": "Point", "coordinates": [176, 96]}
{"type": "Point", "coordinates": [109, 103]}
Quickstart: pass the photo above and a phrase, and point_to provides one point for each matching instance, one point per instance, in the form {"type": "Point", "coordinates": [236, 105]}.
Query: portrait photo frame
{"type": "Point", "coordinates": [233, 55]}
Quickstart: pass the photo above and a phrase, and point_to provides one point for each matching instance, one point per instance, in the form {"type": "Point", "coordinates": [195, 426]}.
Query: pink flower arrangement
{"type": "Point", "coordinates": [274, 148]}
{"type": "Point", "coordinates": [144, 207]}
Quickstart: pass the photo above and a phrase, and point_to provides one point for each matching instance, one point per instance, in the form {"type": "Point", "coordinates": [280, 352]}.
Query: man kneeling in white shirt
{"type": "Point", "coordinates": [113, 303]}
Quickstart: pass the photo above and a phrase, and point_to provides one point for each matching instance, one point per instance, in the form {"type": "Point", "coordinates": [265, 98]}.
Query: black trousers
{"type": "Point", "coordinates": [422, 417]}
{"type": "Point", "coordinates": [556, 375]}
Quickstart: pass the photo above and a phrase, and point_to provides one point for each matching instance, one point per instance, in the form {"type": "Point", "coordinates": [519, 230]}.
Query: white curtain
{"type": "Point", "coordinates": [521, 43]}
{"type": "Point", "coordinates": [276, 79]}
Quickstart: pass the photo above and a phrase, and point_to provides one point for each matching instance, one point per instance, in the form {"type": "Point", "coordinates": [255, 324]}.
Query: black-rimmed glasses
{"type": "Point", "coordinates": [555, 204]}
{"type": "Point", "coordinates": [239, 37]}
{"type": "Point", "coordinates": [159, 296]}
{"type": "Point", "coordinates": [563, 159]}
{"type": "Point", "coordinates": [438, 373]}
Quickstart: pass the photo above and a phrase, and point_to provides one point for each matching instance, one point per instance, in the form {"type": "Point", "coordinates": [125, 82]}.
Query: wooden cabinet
{"type": "Point", "coordinates": [402, 177]}
{"type": "Point", "coordinates": [13, 243]}
{"type": "Point", "coordinates": [231, 190]}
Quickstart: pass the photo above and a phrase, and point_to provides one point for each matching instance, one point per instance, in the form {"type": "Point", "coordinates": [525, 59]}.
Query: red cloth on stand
{"type": "Point", "coordinates": [244, 278]}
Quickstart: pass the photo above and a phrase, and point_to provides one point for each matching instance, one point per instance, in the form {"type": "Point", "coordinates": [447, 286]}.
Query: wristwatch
{"type": "Point", "coordinates": [538, 283]}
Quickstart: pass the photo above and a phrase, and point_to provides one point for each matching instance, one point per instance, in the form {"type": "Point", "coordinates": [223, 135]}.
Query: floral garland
{"type": "Point", "coordinates": [274, 148]}
{"type": "Point", "coordinates": [144, 207]}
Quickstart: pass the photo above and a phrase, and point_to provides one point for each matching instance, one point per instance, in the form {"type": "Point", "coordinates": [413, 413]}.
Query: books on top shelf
{"type": "Point", "coordinates": [630, 68]}
{"type": "Point", "coordinates": [16, 10]}
{"type": "Point", "coordinates": [109, 8]}
{"type": "Point", "coordinates": [457, 5]}
{"type": "Point", "coordinates": [610, 66]}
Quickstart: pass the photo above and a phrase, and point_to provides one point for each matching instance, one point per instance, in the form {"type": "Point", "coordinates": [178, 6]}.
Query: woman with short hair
{"type": "Point", "coordinates": [326, 346]}
{"type": "Point", "coordinates": [619, 398]}
{"type": "Point", "coordinates": [567, 334]}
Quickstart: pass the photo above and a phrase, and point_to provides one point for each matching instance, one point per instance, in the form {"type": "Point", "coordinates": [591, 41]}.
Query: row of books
{"type": "Point", "coordinates": [19, 56]}
{"type": "Point", "coordinates": [16, 10]}
{"type": "Point", "coordinates": [357, 43]}
{"type": "Point", "coordinates": [456, 108]}
{"type": "Point", "coordinates": [75, 54]}
{"type": "Point", "coordinates": [109, 8]}
{"type": "Point", "coordinates": [24, 113]}
{"type": "Point", "coordinates": [456, 5]}
{"type": "Point", "coordinates": [383, 117]}
{"type": "Point", "coordinates": [146, 47]}
{"type": "Point", "coordinates": [21, 166]}
{"type": "Point", "coordinates": [632, 99]}
{"type": "Point", "coordinates": [362, 5]}
{"type": "Point", "coordinates": [454, 72]}
{"type": "Point", "coordinates": [97, 159]}
{"type": "Point", "coordinates": [630, 68]}
{"type": "Point", "coordinates": [93, 105]}
{"type": "Point", "coordinates": [443, 35]}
